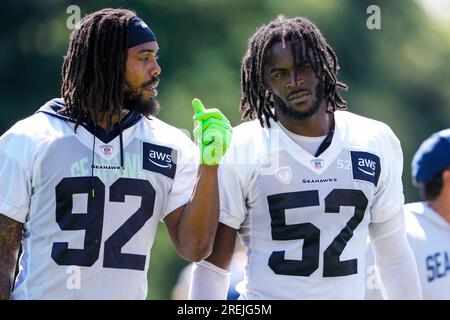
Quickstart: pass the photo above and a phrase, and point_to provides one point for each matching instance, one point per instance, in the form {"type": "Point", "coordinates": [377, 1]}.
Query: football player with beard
{"type": "Point", "coordinates": [88, 177]}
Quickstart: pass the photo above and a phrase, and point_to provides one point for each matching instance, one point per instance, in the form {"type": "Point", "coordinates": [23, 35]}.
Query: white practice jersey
{"type": "Point", "coordinates": [304, 219]}
{"type": "Point", "coordinates": [88, 224]}
{"type": "Point", "coordinates": [429, 238]}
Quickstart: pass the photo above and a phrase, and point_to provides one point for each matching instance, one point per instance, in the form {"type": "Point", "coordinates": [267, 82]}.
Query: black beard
{"type": "Point", "coordinates": [135, 103]}
{"type": "Point", "coordinates": [297, 115]}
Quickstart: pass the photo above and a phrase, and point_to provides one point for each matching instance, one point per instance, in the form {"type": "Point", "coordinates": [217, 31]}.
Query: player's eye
{"type": "Point", "coordinates": [147, 58]}
{"type": "Point", "coordinates": [279, 74]}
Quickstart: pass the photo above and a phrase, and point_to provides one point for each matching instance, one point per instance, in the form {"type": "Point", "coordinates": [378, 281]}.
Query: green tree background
{"type": "Point", "coordinates": [399, 74]}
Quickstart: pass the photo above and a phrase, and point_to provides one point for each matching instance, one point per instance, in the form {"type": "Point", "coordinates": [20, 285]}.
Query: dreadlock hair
{"type": "Point", "coordinates": [307, 44]}
{"type": "Point", "coordinates": [94, 67]}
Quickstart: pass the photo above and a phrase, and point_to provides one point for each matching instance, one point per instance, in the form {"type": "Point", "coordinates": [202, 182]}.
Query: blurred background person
{"type": "Point", "coordinates": [428, 221]}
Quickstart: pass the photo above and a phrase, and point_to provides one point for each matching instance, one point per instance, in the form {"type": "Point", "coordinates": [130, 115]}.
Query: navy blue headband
{"type": "Point", "coordinates": [139, 32]}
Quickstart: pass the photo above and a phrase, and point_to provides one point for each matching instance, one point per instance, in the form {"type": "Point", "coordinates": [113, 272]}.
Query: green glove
{"type": "Point", "coordinates": [213, 133]}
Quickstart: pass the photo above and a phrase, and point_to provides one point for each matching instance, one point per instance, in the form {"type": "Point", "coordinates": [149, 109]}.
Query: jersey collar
{"type": "Point", "coordinates": [325, 155]}
{"type": "Point", "coordinates": [53, 106]}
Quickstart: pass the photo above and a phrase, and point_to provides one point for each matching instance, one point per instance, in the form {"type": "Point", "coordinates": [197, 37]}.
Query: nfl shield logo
{"type": "Point", "coordinates": [317, 163]}
{"type": "Point", "coordinates": [106, 150]}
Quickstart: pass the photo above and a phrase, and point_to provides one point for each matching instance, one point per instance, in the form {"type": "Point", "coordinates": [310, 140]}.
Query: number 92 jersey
{"type": "Point", "coordinates": [304, 219]}
{"type": "Point", "coordinates": [89, 225]}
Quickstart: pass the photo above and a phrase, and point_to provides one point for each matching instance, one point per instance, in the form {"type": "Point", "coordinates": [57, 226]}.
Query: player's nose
{"type": "Point", "coordinates": [295, 80]}
{"type": "Point", "coordinates": [155, 70]}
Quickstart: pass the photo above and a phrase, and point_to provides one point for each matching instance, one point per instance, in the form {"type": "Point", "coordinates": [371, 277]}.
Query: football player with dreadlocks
{"type": "Point", "coordinates": [306, 182]}
{"type": "Point", "coordinates": [87, 178]}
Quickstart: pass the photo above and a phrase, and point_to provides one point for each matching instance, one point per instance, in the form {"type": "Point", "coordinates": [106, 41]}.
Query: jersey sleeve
{"type": "Point", "coordinates": [185, 177]}
{"type": "Point", "coordinates": [233, 172]}
{"type": "Point", "coordinates": [16, 154]}
{"type": "Point", "coordinates": [389, 198]}
{"type": "Point", "coordinates": [373, 291]}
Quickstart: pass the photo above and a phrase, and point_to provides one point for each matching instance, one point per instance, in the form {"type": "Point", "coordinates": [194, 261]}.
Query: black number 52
{"type": "Point", "coordinates": [332, 266]}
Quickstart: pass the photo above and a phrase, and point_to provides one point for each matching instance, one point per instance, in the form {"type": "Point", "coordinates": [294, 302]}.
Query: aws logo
{"type": "Point", "coordinates": [368, 164]}
{"type": "Point", "coordinates": [159, 159]}
{"type": "Point", "coordinates": [365, 166]}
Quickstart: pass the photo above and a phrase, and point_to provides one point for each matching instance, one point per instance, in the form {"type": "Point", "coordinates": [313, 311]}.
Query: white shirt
{"type": "Point", "coordinates": [304, 219]}
{"type": "Point", "coordinates": [429, 238]}
{"type": "Point", "coordinates": [309, 144]}
{"type": "Point", "coordinates": [89, 236]}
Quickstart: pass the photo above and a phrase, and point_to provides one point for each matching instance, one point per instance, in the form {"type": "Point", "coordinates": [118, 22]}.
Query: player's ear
{"type": "Point", "coordinates": [446, 177]}
{"type": "Point", "coordinates": [266, 76]}
{"type": "Point", "coordinates": [267, 92]}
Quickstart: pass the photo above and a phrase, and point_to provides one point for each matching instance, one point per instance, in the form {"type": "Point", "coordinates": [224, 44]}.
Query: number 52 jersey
{"type": "Point", "coordinates": [90, 201]}
{"type": "Point", "coordinates": [304, 219]}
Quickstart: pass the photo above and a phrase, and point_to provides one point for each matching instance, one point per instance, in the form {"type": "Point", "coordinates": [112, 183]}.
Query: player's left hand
{"type": "Point", "coordinates": [213, 133]}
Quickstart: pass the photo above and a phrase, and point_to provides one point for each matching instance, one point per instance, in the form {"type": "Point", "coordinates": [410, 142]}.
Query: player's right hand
{"type": "Point", "coordinates": [213, 133]}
